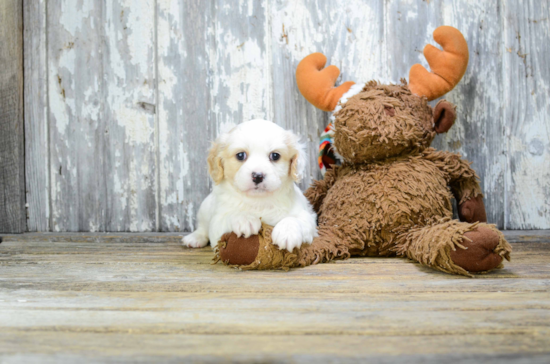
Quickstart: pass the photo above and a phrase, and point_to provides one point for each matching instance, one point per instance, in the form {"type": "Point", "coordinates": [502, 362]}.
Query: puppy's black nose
{"type": "Point", "coordinates": [257, 178]}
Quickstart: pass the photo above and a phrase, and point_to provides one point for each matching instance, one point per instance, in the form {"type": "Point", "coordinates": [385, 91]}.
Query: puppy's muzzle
{"type": "Point", "coordinates": [257, 178]}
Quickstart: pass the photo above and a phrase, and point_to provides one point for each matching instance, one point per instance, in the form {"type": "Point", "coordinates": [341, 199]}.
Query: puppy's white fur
{"type": "Point", "coordinates": [238, 204]}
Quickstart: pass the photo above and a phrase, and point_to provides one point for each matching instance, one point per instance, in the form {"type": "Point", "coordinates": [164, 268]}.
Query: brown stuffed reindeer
{"type": "Point", "coordinates": [392, 193]}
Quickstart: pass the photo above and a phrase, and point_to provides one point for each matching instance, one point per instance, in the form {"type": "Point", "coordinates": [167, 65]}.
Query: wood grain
{"type": "Point", "coordinates": [37, 161]}
{"type": "Point", "coordinates": [102, 126]}
{"type": "Point", "coordinates": [526, 113]}
{"type": "Point", "coordinates": [76, 122]}
{"type": "Point", "coordinates": [133, 297]}
{"type": "Point", "coordinates": [159, 80]}
{"type": "Point", "coordinates": [131, 130]}
{"type": "Point", "coordinates": [12, 150]}
{"type": "Point", "coordinates": [187, 123]}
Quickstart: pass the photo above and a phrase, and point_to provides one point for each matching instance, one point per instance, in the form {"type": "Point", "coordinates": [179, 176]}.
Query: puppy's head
{"type": "Point", "coordinates": [257, 157]}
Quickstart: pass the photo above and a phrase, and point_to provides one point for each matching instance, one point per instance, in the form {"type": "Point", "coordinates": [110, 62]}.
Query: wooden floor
{"type": "Point", "coordinates": [79, 298]}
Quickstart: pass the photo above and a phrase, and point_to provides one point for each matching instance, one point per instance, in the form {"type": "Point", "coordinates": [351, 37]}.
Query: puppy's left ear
{"type": "Point", "coordinates": [298, 159]}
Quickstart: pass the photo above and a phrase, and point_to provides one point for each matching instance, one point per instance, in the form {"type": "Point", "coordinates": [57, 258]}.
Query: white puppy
{"type": "Point", "coordinates": [254, 167]}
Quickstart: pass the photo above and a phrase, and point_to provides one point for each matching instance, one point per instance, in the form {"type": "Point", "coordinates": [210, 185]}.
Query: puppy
{"type": "Point", "coordinates": [254, 167]}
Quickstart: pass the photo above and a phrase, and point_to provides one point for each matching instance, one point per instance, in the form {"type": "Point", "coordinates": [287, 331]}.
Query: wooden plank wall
{"type": "Point", "coordinates": [12, 168]}
{"type": "Point", "coordinates": [124, 97]}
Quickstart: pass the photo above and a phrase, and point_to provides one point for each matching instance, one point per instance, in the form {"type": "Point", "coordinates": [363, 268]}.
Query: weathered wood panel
{"type": "Point", "coordinates": [187, 121]}
{"type": "Point", "coordinates": [408, 28]}
{"type": "Point", "coordinates": [526, 112]}
{"type": "Point", "coordinates": [131, 130]}
{"type": "Point", "coordinates": [37, 157]}
{"type": "Point", "coordinates": [241, 85]}
{"type": "Point", "coordinates": [101, 81]}
{"type": "Point", "coordinates": [75, 120]}
{"type": "Point", "coordinates": [118, 298]}
{"type": "Point", "coordinates": [158, 80]}
{"type": "Point", "coordinates": [12, 152]}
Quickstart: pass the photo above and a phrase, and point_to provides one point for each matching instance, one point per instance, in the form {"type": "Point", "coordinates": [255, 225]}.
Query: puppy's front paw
{"type": "Point", "coordinates": [195, 240]}
{"type": "Point", "coordinates": [309, 234]}
{"type": "Point", "coordinates": [287, 234]}
{"type": "Point", "coordinates": [246, 225]}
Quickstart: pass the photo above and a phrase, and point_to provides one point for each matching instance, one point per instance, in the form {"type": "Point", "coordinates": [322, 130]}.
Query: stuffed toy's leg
{"type": "Point", "coordinates": [455, 247]}
{"type": "Point", "coordinates": [258, 253]}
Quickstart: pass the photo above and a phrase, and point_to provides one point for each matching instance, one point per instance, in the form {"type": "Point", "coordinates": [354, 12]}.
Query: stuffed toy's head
{"type": "Point", "coordinates": [375, 121]}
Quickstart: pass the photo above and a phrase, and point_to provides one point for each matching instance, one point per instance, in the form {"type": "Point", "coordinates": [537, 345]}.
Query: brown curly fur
{"type": "Point", "coordinates": [392, 195]}
{"type": "Point", "coordinates": [382, 121]}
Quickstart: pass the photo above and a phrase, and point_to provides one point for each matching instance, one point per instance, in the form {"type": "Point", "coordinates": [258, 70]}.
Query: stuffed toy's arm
{"type": "Point", "coordinates": [318, 190]}
{"type": "Point", "coordinates": [464, 184]}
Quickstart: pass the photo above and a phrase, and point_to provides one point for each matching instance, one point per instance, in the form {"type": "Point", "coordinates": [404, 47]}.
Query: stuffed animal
{"type": "Point", "coordinates": [392, 194]}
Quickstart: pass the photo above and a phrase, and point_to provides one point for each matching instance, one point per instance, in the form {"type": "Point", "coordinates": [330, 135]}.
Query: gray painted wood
{"type": "Point", "coordinates": [37, 158]}
{"type": "Point", "coordinates": [12, 162]}
{"type": "Point", "coordinates": [241, 85]}
{"type": "Point", "coordinates": [403, 42]}
{"type": "Point", "coordinates": [132, 129]}
{"type": "Point", "coordinates": [526, 113]}
{"type": "Point", "coordinates": [186, 117]}
{"type": "Point", "coordinates": [76, 123]}
{"type": "Point", "coordinates": [102, 115]}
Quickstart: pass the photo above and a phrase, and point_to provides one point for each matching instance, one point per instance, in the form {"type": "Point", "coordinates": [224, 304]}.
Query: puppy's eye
{"type": "Point", "coordinates": [241, 156]}
{"type": "Point", "coordinates": [274, 156]}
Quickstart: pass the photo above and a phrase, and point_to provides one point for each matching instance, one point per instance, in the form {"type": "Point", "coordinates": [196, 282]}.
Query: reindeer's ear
{"type": "Point", "coordinates": [215, 163]}
{"type": "Point", "coordinates": [444, 116]}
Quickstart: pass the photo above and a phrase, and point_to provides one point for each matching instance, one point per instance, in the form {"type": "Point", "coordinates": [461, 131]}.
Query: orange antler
{"type": "Point", "coordinates": [317, 84]}
{"type": "Point", "coordinates": [448, 65]}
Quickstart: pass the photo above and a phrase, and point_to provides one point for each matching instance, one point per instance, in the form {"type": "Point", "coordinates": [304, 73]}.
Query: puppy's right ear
{"type": "Point", "coordinates": [215, 164]}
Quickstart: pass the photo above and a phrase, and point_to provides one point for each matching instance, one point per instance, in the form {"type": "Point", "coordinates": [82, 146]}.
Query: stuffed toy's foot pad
{"type": "Point", "coordinates": [480, 255]}
{"type": "Point", "coordinates": [239, 250]}
{"type": "Point", "coordinates": [472, 210]}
